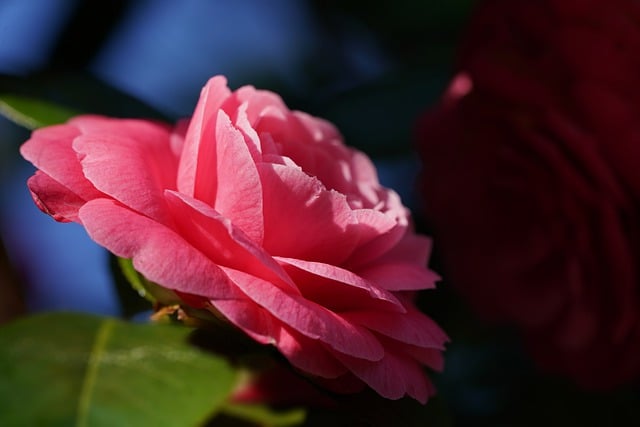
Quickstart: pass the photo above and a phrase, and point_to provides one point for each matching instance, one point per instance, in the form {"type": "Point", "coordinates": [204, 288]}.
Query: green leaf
{"type": "Point", "coordinates": [33, 113]}
{"type": "Point", "coordinates": [135, 293]}
{"type": "Point", "coordinates": [82, 370]}
{"type": "Point", "coordinates": [145, 288]}
{"type": "Point", "coordinates": [131, 302]}
{"type": "Point", "coordinates": [79, 90]}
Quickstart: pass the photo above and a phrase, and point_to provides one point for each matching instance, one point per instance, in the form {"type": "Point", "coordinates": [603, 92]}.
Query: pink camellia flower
{"type": "Point", "coordinates": [261, 215]}
{"type": "Point", "coordinates": [531, 180]}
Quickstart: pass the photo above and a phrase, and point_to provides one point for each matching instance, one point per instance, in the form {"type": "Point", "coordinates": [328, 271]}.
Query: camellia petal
{"type": "Point", "coordinates": [130, 173]}
{"type": "Point", "coordinates": [54, 198]}
{"type": "Point", "coordinates": [157, 252]}
{"type": "Point", "coordinates": [199, 150]}
{"type": "Point", "coordinates": [255, 321]}
{"type": "Point", "coordinates": [308, 354]}
{"type": "Point", "coordinates": [321, 213]}
{"type": "Point", "coordinates": [50, 150]}
{"type": "Point", "coordinates": [225, 244]}
{"type": "Point", "coordinates": [337, 288]}
{"type": "Point", "coordinates": [260, 104]}
{"type": "Point", "coordinates": [311, 320]}
{"type": "Point", "coordinates": [412, 327]}
{"type": "Point", "coordinates": [399, 276]}
{"type": "Point", "coordinates": [145, 132]}
{"type": "Point", "coordinates": [392, 377]}
{"type": "Point", "coordinates": [238, 194]}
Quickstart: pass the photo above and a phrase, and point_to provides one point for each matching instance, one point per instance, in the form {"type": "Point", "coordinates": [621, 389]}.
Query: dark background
{"type": "Point", "coordinates": [370, 67]}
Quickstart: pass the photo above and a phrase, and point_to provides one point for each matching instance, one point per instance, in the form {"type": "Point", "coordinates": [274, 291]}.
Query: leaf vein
{"type": "Point", "coordinates": [93, 365]}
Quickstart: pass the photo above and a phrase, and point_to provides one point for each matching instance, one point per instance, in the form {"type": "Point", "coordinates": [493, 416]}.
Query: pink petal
{"type": "Point", "coordinates": [413, 248]}
{"type": "Point", "coordinates": [302, 219]}
{"type": "Point", "coordinates": [365, 175]}
{"type": "Point", "coordinates": [336, 288]}
{"type": "Point", "coordinates": [374, 224]}
{"type": "Point", "coordinates": [412, 328]}
{"type": "Point", "coordinates": [222, 242]}
{"type": "Point", "coordinates": [377, 244]}
{"type": "Point", "coordinates": [304, 353]}
{"type": "Point", "coordinates": [147, 132]}
{"type": "Point", "coordinates": [316, 149]}
{"type": "Point", "coordinates": [431, 357]}
{"type": "Point", "coordinates": [260, 104]}
{"type": "Point", "coordinates": [399, 276]}
{"type": "Point", "coordinates": [316, 145]}
{"type": "Point", "coordinates": [318, 129]}
{"type": "Point", "coordinates": [241, 122]}
{"type": "Point", "coordinates": [308, 355]}
{"type": "Point", "coordinates": [392, 377]}
{"type": "Point", "coordinates": [309, 319]}
{"type": "Point", "coordinates": [54, 198]}
{"type": "Point", "coordinates": [218, 161]}
{"type": "Point", "coordinates": [238, 194]}
{"type": "Point", "coordinates": [254, 320]}
{"type": "Point", "coordinates": [268, 147]}
{"type": "Point", "coordinates": [199, 149]}
{"type": "Point", "coordinates": [50, 150]}
{"type": "Point", "coordinates": [130, 170]}
{"type": "Point", "coordinates": [160, 254]}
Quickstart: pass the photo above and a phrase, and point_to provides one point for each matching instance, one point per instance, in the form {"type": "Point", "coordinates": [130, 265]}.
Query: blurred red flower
{"type": "Point", "coordinates": [531, 180]}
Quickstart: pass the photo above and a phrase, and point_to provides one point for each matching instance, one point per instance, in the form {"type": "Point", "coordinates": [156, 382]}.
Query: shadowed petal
{"type": "Point", "coordinates": [336, 288]}
{"type": "Point", "coordinates": [393, 377]}
{"type": "Point", "coordinates": [54, 198]}
{"type": "Point", "coordinates": [308, 354]}
{"type": "Point", "coordinates": [311, 320]}
{"type": "Point", "coordinates": [302, 219]}
{"type": "Point", "coordinates": [399, 276]}
{"type": "Point", "coordinates": [222, 242]}
{"type": "Point", "coordinates": [160, 254]}
{"type": "Point", "coordinates": [412, 328]}
{"type": "Point", "coordinates": [50, 150]}
{"type": "Point", "coordinates": [254, 320]}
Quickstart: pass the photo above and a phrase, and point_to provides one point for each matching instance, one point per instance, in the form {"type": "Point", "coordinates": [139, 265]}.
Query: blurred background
{"type": "Point", "coordinates": [369, 67]}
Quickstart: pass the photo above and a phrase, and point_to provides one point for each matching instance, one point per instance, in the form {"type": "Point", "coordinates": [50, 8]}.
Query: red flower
{"type": "Point", "coordinates": [532, 179]}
